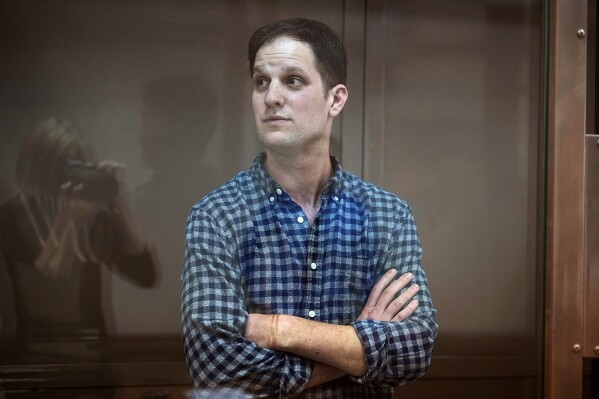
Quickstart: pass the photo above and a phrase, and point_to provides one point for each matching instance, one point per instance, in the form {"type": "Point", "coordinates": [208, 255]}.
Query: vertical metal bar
{"type": "Point", "coordinates": [352, 118]}
{"type": "Point", "coordinates": [542, 195]}
{"type": "Point", "coordinates": [565, 200]}
{"type": "Point", "coordinates": [591, 305]}
{"type": "Point", "coordinates": [374, 91]}
{"type": "Point", "coordinates": [591, 38]}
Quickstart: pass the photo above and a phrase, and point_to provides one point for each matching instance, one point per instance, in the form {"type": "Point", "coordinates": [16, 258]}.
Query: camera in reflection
{"type": "Point", "coordinates": [91, 183]}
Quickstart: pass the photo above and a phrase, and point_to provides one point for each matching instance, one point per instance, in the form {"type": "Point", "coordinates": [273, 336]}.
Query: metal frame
{"type": "Point", "coordinates": [565, 199]}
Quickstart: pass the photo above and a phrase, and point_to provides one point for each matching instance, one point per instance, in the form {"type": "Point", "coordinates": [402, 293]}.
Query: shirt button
{"type": "Point", "coordinates": [272, 199]}
{"type": "Point", "coordinates": [279, 191]}
{"type": "Point", "coordinates": [300, 219]}
{"type": "Point", "coordinates": [336, 198]}
{"type": "Point", "coordinates": [313, 266]}
{"type": "Point", "coordinates": [311, 313]}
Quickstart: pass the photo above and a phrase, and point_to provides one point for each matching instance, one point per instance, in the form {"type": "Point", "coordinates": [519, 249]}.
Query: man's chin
{"type": "Point", "coordinates": [278, 138]}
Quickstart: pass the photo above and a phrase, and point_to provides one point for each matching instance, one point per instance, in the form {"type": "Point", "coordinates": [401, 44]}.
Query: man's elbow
{"type": "Point", "coordinates": [428, 357]}
{"type": "Point", "coordinates": [423, 359]}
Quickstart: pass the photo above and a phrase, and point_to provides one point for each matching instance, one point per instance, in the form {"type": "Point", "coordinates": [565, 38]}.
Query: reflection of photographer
{"type": "Point", "coordinates": [91, 182]}
{"type": "Point", "coordinates": [70, 219]}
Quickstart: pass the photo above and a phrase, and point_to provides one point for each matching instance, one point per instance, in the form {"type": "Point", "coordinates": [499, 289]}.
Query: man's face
{"type": "Point", "coordinates": [290, 108]}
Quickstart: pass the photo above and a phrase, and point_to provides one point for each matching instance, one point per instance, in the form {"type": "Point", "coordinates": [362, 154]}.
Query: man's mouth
{"type": "Point", "coordinates": [275, 119]}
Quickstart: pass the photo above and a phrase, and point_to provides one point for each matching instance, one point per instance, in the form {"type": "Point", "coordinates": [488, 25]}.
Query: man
{"type": "Point", "coordinates": [279, 293]}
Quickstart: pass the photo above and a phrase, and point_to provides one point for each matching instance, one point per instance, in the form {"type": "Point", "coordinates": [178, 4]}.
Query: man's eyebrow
{"type": "Point", "coordinates": [286, 68]}
{"type": "Point", "coordinates": [292, 68]}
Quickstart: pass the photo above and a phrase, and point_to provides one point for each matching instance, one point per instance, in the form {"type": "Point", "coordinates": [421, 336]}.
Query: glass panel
{"type": "Point", "coordinates": [163, 89]}
{"type": "Point", "coordinates": [461, 145]}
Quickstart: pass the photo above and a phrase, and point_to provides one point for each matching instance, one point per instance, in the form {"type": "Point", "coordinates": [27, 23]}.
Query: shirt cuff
{"type": "Point", "coordinates": [297, 375]}
{"type": "Point", "coordinates": [373, 335]}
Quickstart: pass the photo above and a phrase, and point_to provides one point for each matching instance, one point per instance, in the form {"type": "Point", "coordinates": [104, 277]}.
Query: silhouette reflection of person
{"type": "Point", "coordinates": [179, 117]}
{"type": "Point", "coordinates": [69, 220]}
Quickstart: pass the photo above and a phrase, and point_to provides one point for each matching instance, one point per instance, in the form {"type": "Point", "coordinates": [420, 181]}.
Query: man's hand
{"type": "Point", "coordinates": [382, 303]}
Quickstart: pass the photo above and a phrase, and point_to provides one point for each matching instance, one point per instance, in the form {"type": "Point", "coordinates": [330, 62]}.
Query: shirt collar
{"type": "Point", "coordinates": [333, 187]}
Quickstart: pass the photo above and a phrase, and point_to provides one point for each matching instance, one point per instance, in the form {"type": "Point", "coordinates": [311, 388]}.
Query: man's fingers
{"type": "Point", "coordinates": [383, 302]}
{"type": "Point", "coordinates": [396, 305]}
{"type": "Point", "coordinates": [373, 309]}
{"type": "Point", "coordinates": [390, 293]}
{"type": "Point", "coordinates": [407, 311]}
{"type": "Point", "coordinates": [379, 287]}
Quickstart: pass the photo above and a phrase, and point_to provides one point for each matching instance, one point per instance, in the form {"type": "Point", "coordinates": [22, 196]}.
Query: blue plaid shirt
{"type": "Point", "coordinates": [250, 249]}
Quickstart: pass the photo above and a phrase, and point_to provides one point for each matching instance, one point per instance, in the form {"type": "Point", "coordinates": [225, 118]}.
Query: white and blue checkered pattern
{"type": "Point", "coordinates": [247, 251]}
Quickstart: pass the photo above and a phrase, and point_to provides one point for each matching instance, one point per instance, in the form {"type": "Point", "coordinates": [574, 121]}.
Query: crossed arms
{"type": "Point", "coordinates": [267, 354]}
{"type": "Point", "coordinates": [337, 350]}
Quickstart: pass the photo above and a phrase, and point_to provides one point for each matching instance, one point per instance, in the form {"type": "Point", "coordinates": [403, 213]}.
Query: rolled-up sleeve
{"type": "Point", "coordinates": [214, 319]}
{"type": "Point", "coordinates": [399, 352]}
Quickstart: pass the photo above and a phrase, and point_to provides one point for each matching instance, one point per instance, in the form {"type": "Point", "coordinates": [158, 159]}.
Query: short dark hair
{"type": "Point", "coordinates": [328, 49]}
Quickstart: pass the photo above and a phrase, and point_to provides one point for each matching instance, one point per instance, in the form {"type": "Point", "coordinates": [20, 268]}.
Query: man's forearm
{"type": "Point", "coordinates": [334, 345]}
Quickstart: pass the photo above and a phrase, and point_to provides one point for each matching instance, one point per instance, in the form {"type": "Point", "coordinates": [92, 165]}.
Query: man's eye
{"type": "Point", "coordinates": [294, 81]}
{"type": "Point", "coordinates": [260, 83]}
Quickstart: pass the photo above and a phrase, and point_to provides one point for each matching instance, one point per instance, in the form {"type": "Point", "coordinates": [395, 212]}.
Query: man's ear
{"type": "Point", "coordinates": [339, 95]}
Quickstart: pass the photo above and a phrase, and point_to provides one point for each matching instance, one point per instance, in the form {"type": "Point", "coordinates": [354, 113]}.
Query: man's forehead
{"type": "Point", "coordinates": [285, 38]}
{"type": "Point", "coordinates": [285, 53]}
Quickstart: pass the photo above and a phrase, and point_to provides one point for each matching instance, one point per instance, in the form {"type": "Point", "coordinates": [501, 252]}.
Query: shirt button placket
{"type": "Point", "coordinates": [314, 270]}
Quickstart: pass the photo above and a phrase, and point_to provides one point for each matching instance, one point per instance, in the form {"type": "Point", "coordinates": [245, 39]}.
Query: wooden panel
{"type": "Point", "coordinates": [488, 388]}
{"type": "Point", "coordinates": [565, 239]}
{"type": "Point", "coordinates": [146, 392]}
{"type": "Point", "coordinates": [130, 361]}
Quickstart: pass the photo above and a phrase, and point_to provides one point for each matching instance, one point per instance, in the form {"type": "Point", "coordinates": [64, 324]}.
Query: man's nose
{"type": "Point", "coordinates": [274, 94]}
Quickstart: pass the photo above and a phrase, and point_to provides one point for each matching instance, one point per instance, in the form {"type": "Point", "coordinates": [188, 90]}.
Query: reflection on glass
{"type": "Point", "coordinates": [68, 222]}
{"type": "Point", "coordinates": [179, 117]}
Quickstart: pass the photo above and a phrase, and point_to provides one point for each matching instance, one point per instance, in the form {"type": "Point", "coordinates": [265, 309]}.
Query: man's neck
{"type": "Point", "coordinates": [303, 177]}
